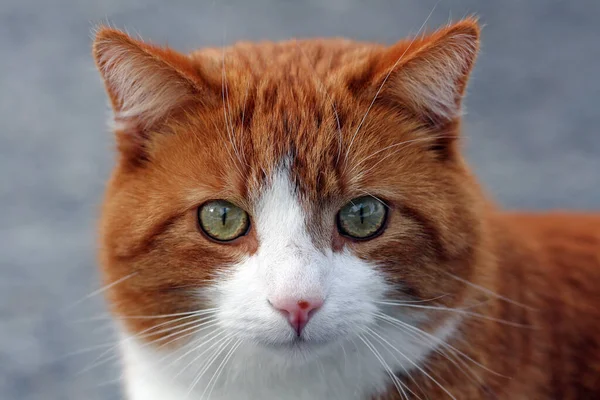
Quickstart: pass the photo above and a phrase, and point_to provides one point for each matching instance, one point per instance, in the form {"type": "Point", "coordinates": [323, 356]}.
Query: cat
{"type": "Point", "coordinates": [295, 220]}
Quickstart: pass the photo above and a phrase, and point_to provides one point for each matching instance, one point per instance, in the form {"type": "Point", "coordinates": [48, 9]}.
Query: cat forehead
{"type": "Point", "coordinates": [291, 57]}
{"type": "Point", "coordinates": [306, 121]}
{"type": "Point", "coordinates": [331, 150]}
{"type": "Point", "coordinates": [294, 84]}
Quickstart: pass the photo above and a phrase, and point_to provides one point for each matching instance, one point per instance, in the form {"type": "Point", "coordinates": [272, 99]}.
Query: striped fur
{"type": "Point", "coordinates": [513, 297]}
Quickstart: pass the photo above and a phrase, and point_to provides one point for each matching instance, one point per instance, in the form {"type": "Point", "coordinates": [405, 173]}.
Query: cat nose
{"type": "Point", "coordinates": [297, 312]}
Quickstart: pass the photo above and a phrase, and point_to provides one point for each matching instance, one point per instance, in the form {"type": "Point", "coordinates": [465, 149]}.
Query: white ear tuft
{"type": "Point", "coordinates": [144, 82]}
{"type": "Point", "coordinates": [433, 76]}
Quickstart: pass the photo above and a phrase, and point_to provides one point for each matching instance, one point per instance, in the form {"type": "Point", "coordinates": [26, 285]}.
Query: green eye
{"type": "Point", "coordinates": [223, 221]}
{"type": "Point", "coordinates": [362, 218]}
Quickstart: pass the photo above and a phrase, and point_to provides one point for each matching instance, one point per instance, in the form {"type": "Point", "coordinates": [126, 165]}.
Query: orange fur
{"type": "Point", "coordinates": [216, 123]}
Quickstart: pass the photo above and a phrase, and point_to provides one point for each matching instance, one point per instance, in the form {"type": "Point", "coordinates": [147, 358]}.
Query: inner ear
{"type": "Point", "coordinates": [143, 81]}
{"type": "Point", "coordinates": [429, 75]}
{"type": "Point", "coordinates": [146, 84]}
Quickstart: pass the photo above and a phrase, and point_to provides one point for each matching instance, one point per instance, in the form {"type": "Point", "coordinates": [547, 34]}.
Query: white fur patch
{"type": "Point", "coordinates": [333, 363]}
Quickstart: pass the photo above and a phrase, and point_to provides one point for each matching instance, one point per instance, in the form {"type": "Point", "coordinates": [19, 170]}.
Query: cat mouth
{"type": "Point", "coordinates": [297, 344]}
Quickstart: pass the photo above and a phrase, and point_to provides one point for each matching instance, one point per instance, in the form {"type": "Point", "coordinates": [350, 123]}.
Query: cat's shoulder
{"type": "Point", "coordinates": [569, 232]}
{"type": "Point", "coordinates": [564, 248]}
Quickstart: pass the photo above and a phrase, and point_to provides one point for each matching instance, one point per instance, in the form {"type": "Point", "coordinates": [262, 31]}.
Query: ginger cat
{"type": "Point", "coordinates": [295, 220]}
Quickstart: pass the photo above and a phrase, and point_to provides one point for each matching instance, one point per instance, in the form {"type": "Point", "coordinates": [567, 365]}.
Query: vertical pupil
{"type": "Point", "coordinates": [361, 212]}
{"type": "Point", "coordinates": [224, 216]}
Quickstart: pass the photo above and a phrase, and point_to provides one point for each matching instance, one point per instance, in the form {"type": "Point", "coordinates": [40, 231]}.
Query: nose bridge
{"type": "Point", "coordinates": [288, 259]}
{"type": "Point", "coordinates": [297, 270]}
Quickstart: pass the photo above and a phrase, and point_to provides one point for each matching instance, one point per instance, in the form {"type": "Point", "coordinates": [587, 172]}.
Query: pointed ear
{"type": "Point", "coordinates": [145, 83]}
{"type": "Point", "coordinates": [429, 74]}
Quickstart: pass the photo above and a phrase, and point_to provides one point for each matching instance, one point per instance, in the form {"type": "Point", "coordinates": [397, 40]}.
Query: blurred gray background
{"type": "Point", "coordinates": [531, 135]}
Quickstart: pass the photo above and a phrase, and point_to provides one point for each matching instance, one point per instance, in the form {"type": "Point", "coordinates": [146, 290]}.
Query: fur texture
{"type": "Point", "coordinates": [453, 299]}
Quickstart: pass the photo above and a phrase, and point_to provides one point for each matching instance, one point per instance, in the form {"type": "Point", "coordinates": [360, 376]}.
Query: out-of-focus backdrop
{"type": "Point", "coordinates": [531, 134]}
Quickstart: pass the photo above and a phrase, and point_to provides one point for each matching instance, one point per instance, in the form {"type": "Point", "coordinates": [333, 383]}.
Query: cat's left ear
{"type": "Point", "coordinates": [430, 73]}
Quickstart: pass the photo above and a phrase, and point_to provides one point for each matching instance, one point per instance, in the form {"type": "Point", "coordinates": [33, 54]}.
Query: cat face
{"type": "Point", "coordinates": [296, 294]}
{"type": "Point", "coordinates": [291, 196]}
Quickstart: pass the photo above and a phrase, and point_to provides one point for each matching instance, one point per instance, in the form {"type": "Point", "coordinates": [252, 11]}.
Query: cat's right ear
{"type": "Point", "coordinates": [145, 83]}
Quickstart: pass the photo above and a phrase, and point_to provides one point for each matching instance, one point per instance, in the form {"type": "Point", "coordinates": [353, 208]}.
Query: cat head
{"type": "Point", "coordinates": [289, 194]}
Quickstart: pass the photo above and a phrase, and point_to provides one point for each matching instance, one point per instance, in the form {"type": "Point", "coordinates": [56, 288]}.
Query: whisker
{"type": "Point", "coordinates": [99, 361]}
{"type": "Point", "coordinates": [185, 346]}
{"type": "Point", "coordinates": [162, 359]}
{"type": "Point", "coordinates": [440, 350]}
{"type": "Point", "coordinates": [227, 107]}
{"type": "Point", "coordinates": [196, 347]}
{"type": "Point", "coordinates": [244, 115]}
{"type": "Point", "coordinates": [220, 369]}
{"type": "Point", "coordinates": [82, 351]}
{"type": "Point", "coordinates": [111, 317]}
{"type": "Point", "coordinates": [98, 291]}
{"type": "Point", "coordinates": [190, 313]}
{"type": "Point", "coordinates": [420, 336]}
{"type": "Point", "coordinates": [437, 340]}
{"type": "Point", "coordinates": [378, 337]}
{"type": "Point", "coordinates": [227, 121]}
{"type": "Point", "coordinates": [489, 292]}
{"type": "Point", "coordinates": [195, 323]}
{"type": "Point", "coordinates": [422, 371]}
{"type": "Point", "coordinates": [231, 157]}
{"type": "Point", "coordinates": [450, 354]}
{"type": "Point", "coordinates": [196, 328]}
{"type": "Point", "coordinates": [424, 300]}
{"type": "Point", "coordinates": [458, 311]}
{"type": "Point", "coordinates": [408, 143]}
{"type": "Point", "coordinates": [345, 355]}
{"type": "Point", "coordinates": [423, 139]}
{"type": "Point", "coordinates": [110, 346]}
{"type": "Point", "coordinates": [211, 360]}
{"type": "Point", "coordinates": [106, 328]}
{"type": "Point", "coordinates": [397, 383]}
{"type": "Point", "coordinates": [146, 332]}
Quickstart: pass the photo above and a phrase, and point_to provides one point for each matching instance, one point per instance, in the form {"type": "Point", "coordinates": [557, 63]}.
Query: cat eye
{"type": "Point", "coordinates": [223, 221]}
{"type": "Point", "coordinates": [362, 218]}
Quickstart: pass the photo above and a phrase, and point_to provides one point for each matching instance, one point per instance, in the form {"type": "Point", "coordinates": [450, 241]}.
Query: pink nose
{"type": "Point", "coordinates": [297, 312]}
